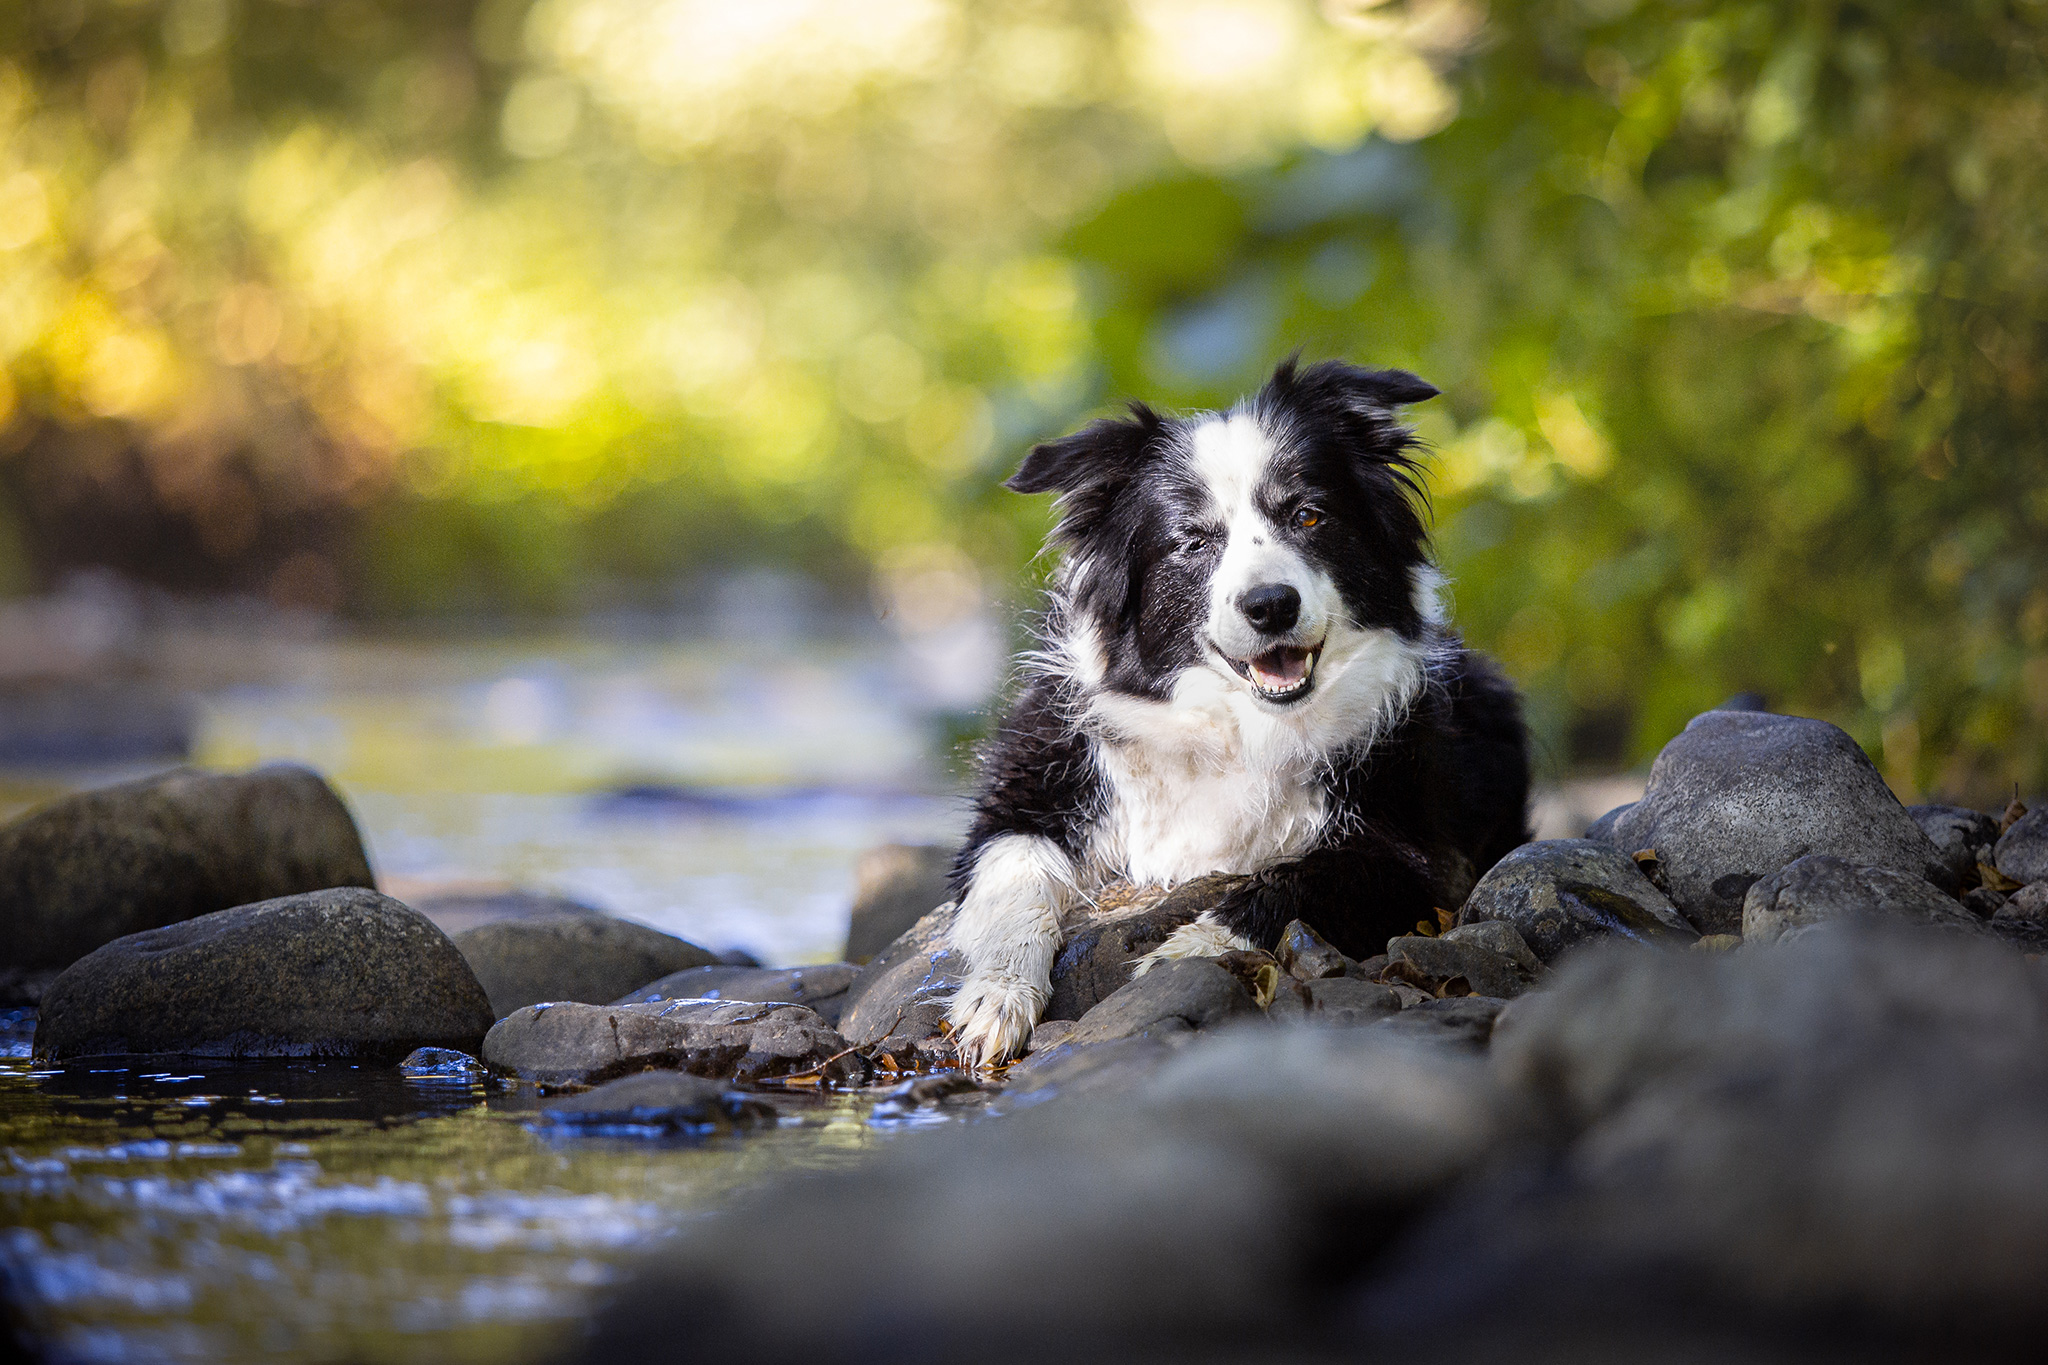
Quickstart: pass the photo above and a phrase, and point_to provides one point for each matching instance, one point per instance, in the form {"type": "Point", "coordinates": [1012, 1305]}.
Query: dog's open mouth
{"type": "Point", "coordinates": [1282, 674]}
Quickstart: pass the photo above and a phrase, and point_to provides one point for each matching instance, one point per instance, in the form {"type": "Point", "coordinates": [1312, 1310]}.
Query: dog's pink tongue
{"type": "Point", "coordinates": [1280, 668]}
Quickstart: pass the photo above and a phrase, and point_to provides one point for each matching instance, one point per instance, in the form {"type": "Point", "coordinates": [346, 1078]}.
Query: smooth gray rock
{"type": "Point", "coordinates": [1962, 837]}
{"type": "Point", "coordinates": [1500, 937]}
{"type": "Point", "coordinates": [896, 1007]}
{"type": "Point", "coordinates": [1823, 887]}
{"type": "Point", "coordinates": [577, 1044]}
{"type": "Point", "coordinates": [2022, 851]}
{"type": "Point", "coordinates": [1437, 962]}
{"type": "Point", "coordinates": [344, 973]}
{"type": "Point", "coordinates": [1102, 942]}
{"type": "Point", "coordinates": [1205, 1210]}
{"type": "Point", "coordinates": [1739, 794]}
{"type": "Point", "coordinates": [92, 867]}
{"type": "Point", "coordinates": [658, 1102]}
{"type": "Point", "coordinates": [1306, 956]}
{"type": "Point", "coordinates": [1603, 828]}
{"type": "Point", "coordinates": [588, 958]}
{"type": "Point", "coordinates": [822, 988]}
{"type": "Point", "coordinates": [455, 912]}
{"type": "Point", "coordinates": [895, 886]}
{"type": "Point", "coordinates": [1179, 997]}
{"type": "Point", "coordinates": [1557, 893]}
{"type": "Point", "coordinates": [1346, 1002]}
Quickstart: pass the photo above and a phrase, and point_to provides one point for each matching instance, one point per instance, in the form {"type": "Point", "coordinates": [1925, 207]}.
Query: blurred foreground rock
{"type": "Point", "coordinates": [88, 868]}
{"type": "Point", "coordinates": [344, 973]}
{"type": "Point", "coordinates": [658, 1101]}
{"type": "Point", "coordinates": [821, 988]}
{"type": "Point", "coordinates": [577, 956]}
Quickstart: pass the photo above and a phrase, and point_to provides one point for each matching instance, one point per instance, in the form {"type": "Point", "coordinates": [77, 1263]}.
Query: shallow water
{"type": "Point", "coordinates": [165, 1210]}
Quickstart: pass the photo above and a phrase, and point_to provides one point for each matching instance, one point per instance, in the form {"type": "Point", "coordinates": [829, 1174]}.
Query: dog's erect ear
{"type": "Point", "coordinates": [1106, 451]}
{"type": "Point", "coordinates": [1355, 386]}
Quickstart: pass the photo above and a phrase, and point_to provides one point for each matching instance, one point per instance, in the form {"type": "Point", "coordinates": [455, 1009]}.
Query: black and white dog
{"type": "Point", "coordinates": [1245, 669]}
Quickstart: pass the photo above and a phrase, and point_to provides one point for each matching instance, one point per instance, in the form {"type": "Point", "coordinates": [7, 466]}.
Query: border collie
{"type": "Point", "coordinates": [1245, 669]}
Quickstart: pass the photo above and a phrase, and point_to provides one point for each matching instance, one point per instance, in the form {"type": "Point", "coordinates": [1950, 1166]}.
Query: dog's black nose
{"type": "Point", "coordinates": [1271, 607]}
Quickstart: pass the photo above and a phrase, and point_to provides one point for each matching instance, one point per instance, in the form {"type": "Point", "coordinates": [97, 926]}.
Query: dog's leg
{"type": "Point", "coordinates": [1204, 936]}
{"type": "Point", "coordinates": [1008, 929]}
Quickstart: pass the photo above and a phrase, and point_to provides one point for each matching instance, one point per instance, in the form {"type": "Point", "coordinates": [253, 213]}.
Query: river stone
{"type": "Point", "coordinates": [2029, 903]}
{"type": "Point", "coordinates": [895, 886]}
{"type": "Point", "coordinates": [661, 1101]}
{"type": "Point", "coordinates": [578, 1044]}
{"type": "Point", "coordinates": [1962, 837]}
{"type": "Point", "coordinates": [1206, 1208]}
{"type": "Point", "coordinates": [1499, 937]}
{"type": "Point", "coordinates": [1463, 1021]}
{"type": "Point", "coordinates": [1102, 941]}
{"type": "Point", "coordinates": [1739, 794]}
{"type": "Point", "coordinates": [1823, 887]}
{"type": "Point", "coordinates": [586, 958]}
{"type": "Point", "coordinates": [456, 911]}
{"type": "Point", "coordinates": [1603, 828]}
{"type": "Point", "coordinates": [2022, 851]}
{"type": "Point", "coordinates": [343, 973]}
{"type": "Point", "coordinates": [822, 988]}
{"type": "Point", "coordinates": [1556, 893]}
{"type": "Point", "coordinates": [1174, 998]}
{"type": "Point", "coordinates": [896, 1007]}
{"type": "Point", "coordinates": [1439, 961]}
{"type": "Point", "coordinates": [1306, 956]}
{"type": "Point", "coordinates": [1346, 1002]}
{"type": "Point", "coordinates": [95, 866]}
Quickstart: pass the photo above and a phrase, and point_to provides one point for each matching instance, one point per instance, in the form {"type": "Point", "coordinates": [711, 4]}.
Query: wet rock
{"type": "Point", "coordinates": [1983, 902]}
{"type": "Point", "coordinates": [1346, 1002]}
{"type": "Point", "coordinates": [2022, 851]}
{"type": "Point", "coordinates": [1200, 1213]}
{"type": "Point", "coordinates": [895, 886]}
{"type": "Point", "coordinates": [1557, 893]}
{"type": "Point", "coordinates": [578, 1044]}
{"type": "Point", "coordinates": [1101, 943]}
{"type": "Point", "coordinates": [580, 957]}
{"type": "Point", "coordinates": [896, 1007]}
{"type": "Point", "coordinates": [1823, 887]}
{"type": "Point", "coordinates": [658, 1102]}
{"type": "Point", "coordinates": [1464, 1021]}
{"type": "Point", "coordinates": [90, 868]}
{"type": "Point", "coordinates": [1441, 962]}
{"type": "Point", "coordinates": [1837, 1149]}
{"type": "Point", "coordinates": [1305, 956]}
{"type": "Point", "coordinates": [822, 988]}
{"type": "Point", "coordinates": [1740, 794]}
{"type": "Point", "coordinates": [1961, 836]}
{"type": "Point", "coordinates": [442, 1064]}
{"type": "Point", "coordinates": [1179, 997]}
{"type": "Point", "coordinates": [1603, 828]}
{"type": "Point", "coordinates": [457, 911]}
{"type": "Point", "coordinates": [344, 973]}
{"type": "Point", "coordinates": [951, 1089]}
{"type": "Point", "coordinates": [1499, 937]}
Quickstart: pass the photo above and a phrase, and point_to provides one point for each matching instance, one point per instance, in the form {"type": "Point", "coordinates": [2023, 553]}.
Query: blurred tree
{"type": "Point", "coordinates": [463, 304]}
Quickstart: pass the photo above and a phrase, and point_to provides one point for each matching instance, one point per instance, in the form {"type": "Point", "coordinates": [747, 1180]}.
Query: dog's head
{"type": "Point", "coordinates": [1277, 545]}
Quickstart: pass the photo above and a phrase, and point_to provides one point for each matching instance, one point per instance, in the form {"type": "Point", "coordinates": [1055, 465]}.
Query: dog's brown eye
{"type": "Point", "coordinates": [1307, 517]}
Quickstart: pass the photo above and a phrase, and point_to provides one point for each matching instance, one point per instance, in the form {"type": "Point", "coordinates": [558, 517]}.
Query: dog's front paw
{"type": "Point", "coordinates": [992, 1018]}
{"type": "Point", "coordinates": [1201, 937]}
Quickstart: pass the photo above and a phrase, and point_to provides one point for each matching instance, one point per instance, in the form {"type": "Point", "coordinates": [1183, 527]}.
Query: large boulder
{"type": "Point", "coordinates": [576, 1044]}
{"type": "Point", "coordinates": [1205, 1209]}
{"type": "Point", "coordinates": [343, 973]}
{"type": "Point", "coordinates": [821, 988]}
{"type": "Point", "coordinates": [574, 956]}
{"type": "Point", "coordinates": [2022, 851]}
{"type": "Point", "coordinates": [1739, 794]}
{"type": "Point", "coordinates": [1823, 887]}
{"type": "Point", "coordinates": [1558, 893]}
{"type": "Point", "coordinates": [895, 886]}
{"type": "Point", "coordinates": [95, 866]}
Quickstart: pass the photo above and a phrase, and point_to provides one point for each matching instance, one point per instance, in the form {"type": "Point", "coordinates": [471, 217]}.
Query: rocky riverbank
{"type": "Point", "coordinates": [1751, 1070]}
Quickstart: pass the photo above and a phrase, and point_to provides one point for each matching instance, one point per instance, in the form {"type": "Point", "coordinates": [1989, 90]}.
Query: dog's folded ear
{"type": "Point", "coordinates": [1108, 451]}
{"type": "Point", "coordinates": [1352, 385]}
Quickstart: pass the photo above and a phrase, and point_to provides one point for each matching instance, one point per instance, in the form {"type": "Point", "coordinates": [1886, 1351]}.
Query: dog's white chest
{"type": "Point", "coordinates": [1171, 817]}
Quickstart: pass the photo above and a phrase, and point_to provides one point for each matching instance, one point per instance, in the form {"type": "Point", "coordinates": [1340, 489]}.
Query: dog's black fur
{"type": "Point", "coordinates": [1418, 804]}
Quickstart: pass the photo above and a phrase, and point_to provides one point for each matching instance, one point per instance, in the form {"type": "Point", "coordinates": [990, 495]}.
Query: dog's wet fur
{"type": "Point", "coordinates": [1245, 668]}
